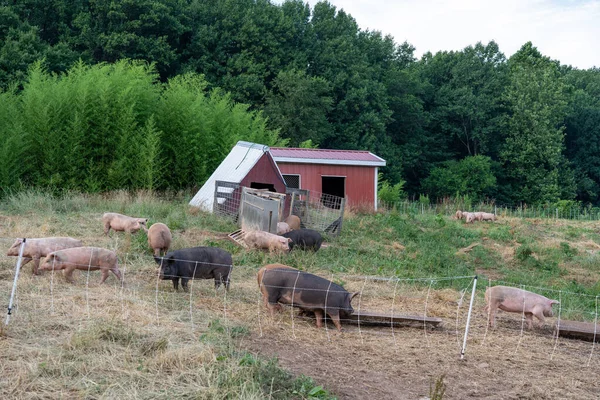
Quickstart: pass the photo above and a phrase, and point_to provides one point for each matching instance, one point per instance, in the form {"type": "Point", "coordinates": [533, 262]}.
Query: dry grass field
{"type": "Point", "coordinates": [142, 340]}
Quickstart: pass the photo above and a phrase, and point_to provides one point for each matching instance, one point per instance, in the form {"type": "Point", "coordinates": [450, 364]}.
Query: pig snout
{"type": "Point", "coordinates": [548, 309]}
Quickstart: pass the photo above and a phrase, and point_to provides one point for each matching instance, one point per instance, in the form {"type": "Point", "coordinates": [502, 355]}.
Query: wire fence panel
{"type": "Point", "coordinates": [227, 199]}
{"type": "Point", "coordinates": [319, 211]}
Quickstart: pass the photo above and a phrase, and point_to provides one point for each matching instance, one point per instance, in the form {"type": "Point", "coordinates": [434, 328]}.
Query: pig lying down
{"type": "Point", "coordinates": [83, 258]}
{"type": "Point", "coordinates": [39, 248]}
{"type": "Point", "coordinates": [123, 223]}
{"type": "Point", "coordinates": [267, 241]}
{"type": "Point", "coordinates": [196, 263]}
{"type": "Point", "coordinates": [516, 300]}
{"type": "Point", "coordinates": [281, 284]}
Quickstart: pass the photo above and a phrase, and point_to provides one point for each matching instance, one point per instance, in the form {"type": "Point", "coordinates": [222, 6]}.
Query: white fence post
{"type": "Point", "coordinates": [462, 353]}
{"type": "Point", "coordinates": [14, 288]}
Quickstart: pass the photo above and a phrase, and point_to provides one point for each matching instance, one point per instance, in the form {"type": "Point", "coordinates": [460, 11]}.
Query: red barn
{"type": "Point", "coordinates": [351, 174]}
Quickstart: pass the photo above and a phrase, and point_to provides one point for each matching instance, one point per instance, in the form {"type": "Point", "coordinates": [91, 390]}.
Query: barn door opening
{"type": "Point", "coordinates": [258, 185]}
{"type": "Point", "coordinates": [334, 189]}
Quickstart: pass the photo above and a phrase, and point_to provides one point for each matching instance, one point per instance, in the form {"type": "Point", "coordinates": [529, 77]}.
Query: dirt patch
{"type": "Point", "coordinates": [371, 363]}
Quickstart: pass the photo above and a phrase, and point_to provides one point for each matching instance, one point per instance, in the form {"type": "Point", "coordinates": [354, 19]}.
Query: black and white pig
{"type": "Point", "coordinates": [196, 263]}
{"type": "Point", "coordinates": [305, 239]}
{"type": "Point", "coordinates": [281, 284]}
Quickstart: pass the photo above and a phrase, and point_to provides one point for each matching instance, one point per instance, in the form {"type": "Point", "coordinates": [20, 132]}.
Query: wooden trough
{"type": "Point", "coordinates": [578, 330]}
{"type": "Point", "coordinates": [371, 318]}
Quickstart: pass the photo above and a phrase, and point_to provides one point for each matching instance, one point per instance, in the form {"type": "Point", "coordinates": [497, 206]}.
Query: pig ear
{"type": "Point", "coordinates": [289, 240]}
{"type": "Point", "coordinates": [554, 302]}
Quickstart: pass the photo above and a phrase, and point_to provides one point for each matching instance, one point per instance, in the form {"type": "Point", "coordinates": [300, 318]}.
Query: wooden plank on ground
{"type": "Point", "coordinates": [386, 319]}
{"type": "Point", "coordinates": [578, 330]}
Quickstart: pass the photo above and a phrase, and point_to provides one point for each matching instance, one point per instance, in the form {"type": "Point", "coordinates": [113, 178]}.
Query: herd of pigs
{"type": "Point", "coordinates": [471, 217]}
{"type": "Point", "coordinates": [278, 283]}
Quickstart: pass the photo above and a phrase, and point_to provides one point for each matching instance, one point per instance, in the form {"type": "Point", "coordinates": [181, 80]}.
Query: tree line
{"type": "Point", "coordinates": [524, 129]}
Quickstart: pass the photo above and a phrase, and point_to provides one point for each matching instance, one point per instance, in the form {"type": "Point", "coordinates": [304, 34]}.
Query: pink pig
{"type": "Point", "coordinates": [83, 258]}
{"type": "Point", "coordinates": [516, 300]}
{"type": "Point", "coordinates": [282, 228]}
{"type": "Point", "coordinates": [35, 249]}
{"type": "Point", "coordinates": [266, 240]}
{"type": "Point", "coordinates": [120, 223]}
{"type": "Point", "coordinates": [469, 217]}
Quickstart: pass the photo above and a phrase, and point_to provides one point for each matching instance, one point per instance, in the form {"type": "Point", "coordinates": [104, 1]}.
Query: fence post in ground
{"type": "Point", "coordinates": [14, 288]}
{"type": "Point", "coordinates": [292, 203]}
{"type": "Point", "coordinates": [342, 207]}
{"type": "Point", "coordinates": [462, 353]}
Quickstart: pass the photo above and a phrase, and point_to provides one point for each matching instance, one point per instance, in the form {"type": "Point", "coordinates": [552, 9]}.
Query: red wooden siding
{"type": "Point", "coordinates": [264, 171]}
{"type": "Point", "coordinates": [360, 181]}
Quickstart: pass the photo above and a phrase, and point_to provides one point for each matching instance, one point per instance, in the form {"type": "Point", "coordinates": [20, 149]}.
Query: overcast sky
{"type": "Point", "coordinates": [566, 30]}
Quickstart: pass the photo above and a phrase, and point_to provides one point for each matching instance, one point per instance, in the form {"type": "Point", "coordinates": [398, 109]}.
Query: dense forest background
{"type": "Point", "coordinates": [98, 95]}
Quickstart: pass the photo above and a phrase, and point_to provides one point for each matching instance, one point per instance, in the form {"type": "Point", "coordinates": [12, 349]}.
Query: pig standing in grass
{"type": "Point", "coordinates": [305, 239]}
{"type": "Point", "coordinates": [478, 216]}
{"type": "Point", "coordinates": [458, 215]}
{"type": "Point", "coordinates": [159, 238]}
{"type": "Point", "coordinates": [196, 263]}
{"type": "Point", "coordinates": [120, 222]}
{"type": "Point", "coordinates": [282, 228]}
{"type": "Point", "coordinates": [266, 240]}
{"type": "Point", "coordinates": [83, 258]}
{"type": "Point", "coordinates": [469, 217]}
{"type": "Point", "coordinates": [488, 217]}
{"type": "Point", "coordinates": [516, 300]}
{"type": "Point", "coordinates": [38, 248]}
{"type": "Point", "coordinates": [280, 283]}
{"type": "Point", "coordinates": [293, 222]}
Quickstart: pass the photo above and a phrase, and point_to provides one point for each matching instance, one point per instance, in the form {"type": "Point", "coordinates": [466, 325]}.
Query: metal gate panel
{"type": "Point", "coordinates": [260, 210]}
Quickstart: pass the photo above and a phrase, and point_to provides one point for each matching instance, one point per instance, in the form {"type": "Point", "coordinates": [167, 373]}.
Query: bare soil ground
{"type": "Point", "coordinates": [508, 365]}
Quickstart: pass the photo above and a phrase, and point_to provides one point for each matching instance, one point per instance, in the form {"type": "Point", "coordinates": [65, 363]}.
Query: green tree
{"type": "Point", "coordinates": [298, 106]}
{"type": "Point", "coordinates": [583, 132]}
{"type": "Point", "coordinates": [533, 152]}
{"type": "Point", "coordinates": [107, 31]}
{"type": "Point", "coordinates": [472, 176]}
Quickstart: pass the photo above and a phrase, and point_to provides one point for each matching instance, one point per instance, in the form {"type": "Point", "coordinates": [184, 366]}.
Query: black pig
{"type": "Point", "coordinates": [279, 283]}
{"type": "Point", "coordinates": [306, 239]}
{"type": "Point", "coordinates": [196, 263]}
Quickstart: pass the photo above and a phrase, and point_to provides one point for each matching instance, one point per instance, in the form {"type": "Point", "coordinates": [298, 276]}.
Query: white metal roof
{"type": "Point", "coordinates": [240, 160]}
